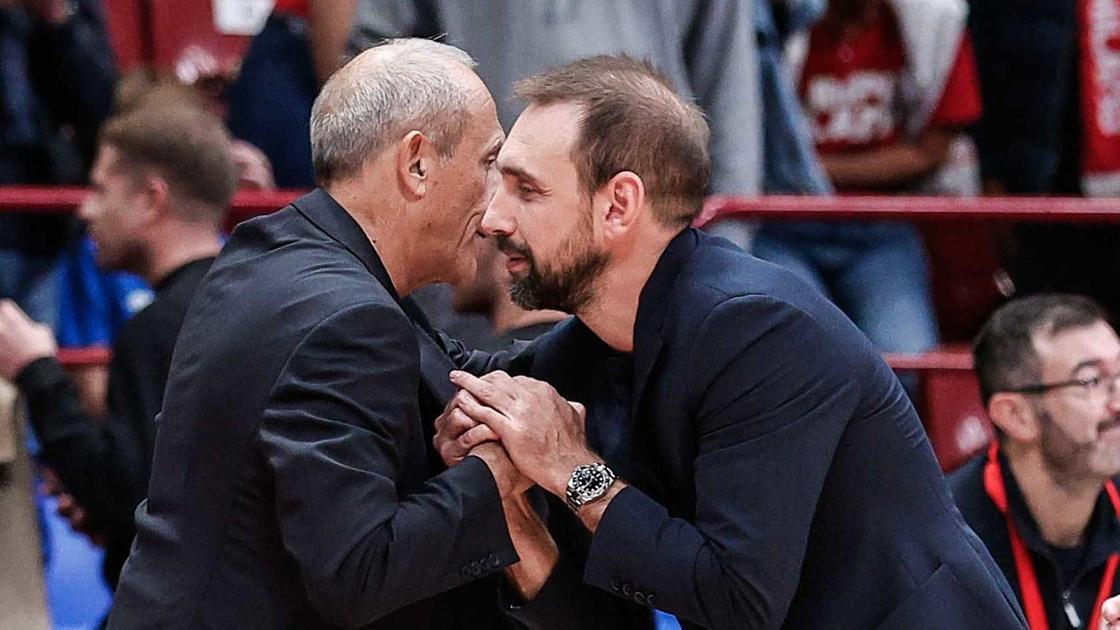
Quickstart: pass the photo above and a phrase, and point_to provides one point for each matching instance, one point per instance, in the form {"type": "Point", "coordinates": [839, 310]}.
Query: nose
{"type": "Point", "coordinates": [497, 220]}
{"type": "Point", "coordinates": [1112, 390]}
{"type": "Point", "coordinates": [87, 209]}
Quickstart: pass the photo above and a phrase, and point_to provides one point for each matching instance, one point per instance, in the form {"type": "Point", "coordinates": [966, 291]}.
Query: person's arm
{"type": "Point", "coordinates": [72, 65]}
{"type": "Point", "coordinates": [340, 426]}
{"type": "Point", "coordinates": [893, 166]}
{"type": "Point", "coordinates": [721, 54]}
{"type": "Point", "coordinates": [545, 588]}
{"type": "Point", "coordinates": [102, 465]}
{"type": "Point", "coordinates": [330, 24]}
{"type": "Point", "coordinates": [766, 437]}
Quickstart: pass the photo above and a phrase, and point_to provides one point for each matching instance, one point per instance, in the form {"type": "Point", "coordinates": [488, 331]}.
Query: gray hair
{"type": "Point", "coordinates": [382, 94]}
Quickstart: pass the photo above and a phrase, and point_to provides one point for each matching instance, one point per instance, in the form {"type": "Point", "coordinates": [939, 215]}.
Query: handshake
{"type": "Point", "coordinates": [522, 428]}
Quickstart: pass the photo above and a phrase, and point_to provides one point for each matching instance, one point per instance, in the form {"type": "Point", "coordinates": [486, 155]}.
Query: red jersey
{"type": "Point", "coordinates": [298, 8]}
{"type": "Point", "coordinates": [850, 87]}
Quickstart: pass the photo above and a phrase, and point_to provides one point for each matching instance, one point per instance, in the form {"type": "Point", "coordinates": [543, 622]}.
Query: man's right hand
{"type": "Point", "coordinates": [21, 340]}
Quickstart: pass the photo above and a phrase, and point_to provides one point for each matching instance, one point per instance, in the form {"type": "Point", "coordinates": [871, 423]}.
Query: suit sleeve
{"type": "Point", "coordinates": [772, 397]}
{"type": "Point", "coordinates": [340, 429]}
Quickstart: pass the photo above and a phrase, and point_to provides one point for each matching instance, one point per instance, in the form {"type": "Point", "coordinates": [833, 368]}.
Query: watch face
{"type": "Point", "coordinates": [587, 480]}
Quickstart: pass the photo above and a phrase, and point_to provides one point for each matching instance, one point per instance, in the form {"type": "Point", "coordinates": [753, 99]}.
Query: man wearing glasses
{"type": "Point", "coordinates": [1042, 498]}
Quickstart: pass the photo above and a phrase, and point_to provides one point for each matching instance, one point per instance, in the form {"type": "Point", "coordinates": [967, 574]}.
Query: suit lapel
{"type": "Point", "coordinates": [322, 210]}
{"type": "Point", "coordinates": [435, 365]}
{"type": "Point", "coordinates": [652, 306]}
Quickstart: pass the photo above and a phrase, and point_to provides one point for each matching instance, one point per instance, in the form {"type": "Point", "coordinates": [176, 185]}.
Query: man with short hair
{"type": "Point", "coordinates": [1043, 497]}
{"type": "Point", "coordinates": [294, 483]}
{"type": "Point", "coordinates": [747, 460]}
{"type": "Point", "coordinates": [162, 182]}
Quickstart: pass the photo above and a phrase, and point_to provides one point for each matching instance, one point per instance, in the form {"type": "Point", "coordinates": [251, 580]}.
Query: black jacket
{"type": "Point", "coordinates": [780, 477]}
{"type": "Point", "coordinates": [105, 466]}
{"type": "Point", "coordinates": [1103, 539]}
{"type": "Point", "coordinates": [292, 481]}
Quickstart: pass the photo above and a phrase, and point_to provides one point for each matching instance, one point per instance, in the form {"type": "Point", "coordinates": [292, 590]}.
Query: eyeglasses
{"type": "Point", "coordinates": [1098, 385]}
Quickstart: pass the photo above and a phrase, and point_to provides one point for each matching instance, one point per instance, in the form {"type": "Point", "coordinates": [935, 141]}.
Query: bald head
{"type": "Point", "coordinates": [386, 92]}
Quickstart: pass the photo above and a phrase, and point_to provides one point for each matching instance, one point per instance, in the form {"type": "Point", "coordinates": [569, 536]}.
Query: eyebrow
{"type": "Point", "coordinates": [1088, 363]}
{"type": "Point", "coordinates": [520, 173]}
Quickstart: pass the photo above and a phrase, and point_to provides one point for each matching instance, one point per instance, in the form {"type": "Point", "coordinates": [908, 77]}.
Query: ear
{"type": "Point", "coordinates": [625, 198]}
{"type": "Point", "coordinates": [1015, 416]}
{"type": "Point", "coordinates": [415, 158]}
{"type": "Point", "coordinates": [157, 199]}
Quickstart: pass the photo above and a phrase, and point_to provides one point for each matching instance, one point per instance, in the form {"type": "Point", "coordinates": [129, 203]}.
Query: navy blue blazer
{"type": "Point", "coordinates": [293, 482]}
{"type": "Point", "coordinates": [780, 476]}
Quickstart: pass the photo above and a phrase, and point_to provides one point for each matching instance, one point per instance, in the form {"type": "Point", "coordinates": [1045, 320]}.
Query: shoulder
{"type": "Point", "coordinates": [726, 291]}
{"type": "Point", "coordinates": [967, 486]}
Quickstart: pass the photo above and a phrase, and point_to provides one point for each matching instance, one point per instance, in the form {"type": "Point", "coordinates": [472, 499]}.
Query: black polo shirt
{"type": "Point", "coordinates": [1074, 575]}
{"type": "Point", "coordinates": [106, 465]}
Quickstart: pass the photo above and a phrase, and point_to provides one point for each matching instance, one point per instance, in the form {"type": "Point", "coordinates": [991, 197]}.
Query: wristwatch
{"type": "Point", "coordinates": [588, 483]}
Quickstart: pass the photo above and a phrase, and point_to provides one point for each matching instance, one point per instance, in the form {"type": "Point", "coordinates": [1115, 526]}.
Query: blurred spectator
{"type": "Point", "coordinates": [94, 303]}
{"type": "Point", "coordinates": [301, 45]}
{"type": "Point", "coordinates": [488, 295]}
{"type": "Point", "coordinates": [789, 156]}
{"type": "Point", "coordinates": [706, 47]}
{"type": "Point", "coordinates": [1049, 73]}
{"type": "Point", "coordinates": [887, 85]}
{"type": "Point", "coordinates": [56, 86]}
{"type": "Point", "coordinates": [1043, 499]}
{"type": "Point", "coordinates": [162, 184]}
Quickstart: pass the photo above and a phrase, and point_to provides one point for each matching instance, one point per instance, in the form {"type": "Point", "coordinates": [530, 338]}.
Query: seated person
{"type": "Point", "coordinates": [1043, 497]}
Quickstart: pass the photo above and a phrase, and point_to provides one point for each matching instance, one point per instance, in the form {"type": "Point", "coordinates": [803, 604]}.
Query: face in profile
{"type": "Point", "coordinates": [542, 218]}
{"type": "Point", "coordinates": [113, 212]}
{"type": "Point", "coordinates": [1080, 424]}
{"type": "Point", "coordinates": [462, 185]}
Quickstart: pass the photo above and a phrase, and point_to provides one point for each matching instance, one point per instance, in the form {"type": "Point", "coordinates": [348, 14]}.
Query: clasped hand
{"type": "Point", "coordinates": [543, 434]}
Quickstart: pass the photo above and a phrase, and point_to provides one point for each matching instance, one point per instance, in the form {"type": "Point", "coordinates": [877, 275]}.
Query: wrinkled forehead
{"type": "Point", "coordinates": [1071, 349]}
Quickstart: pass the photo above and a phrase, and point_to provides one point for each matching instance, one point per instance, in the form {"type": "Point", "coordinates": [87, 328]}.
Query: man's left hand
{"type": "Point", "coordinates": [21, 340]}
{"type": "Point", "coordinates": [543, 433]}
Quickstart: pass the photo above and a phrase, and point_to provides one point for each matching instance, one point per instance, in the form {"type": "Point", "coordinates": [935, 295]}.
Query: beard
{"type": "Point", "coordinates": [128, 256]}
{"type": "Point", "coordinates": [569, 286]}
{"type": "Point", "coordinates": [1071, 460]}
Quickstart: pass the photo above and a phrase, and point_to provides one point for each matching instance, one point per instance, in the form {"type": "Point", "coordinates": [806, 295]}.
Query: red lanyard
{"type": "Point", "coordinates": [1028, 581]}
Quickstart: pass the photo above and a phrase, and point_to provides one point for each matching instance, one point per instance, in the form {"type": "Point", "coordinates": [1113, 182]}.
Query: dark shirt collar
{"type": "Point", "coordinates": [1102, 537]}
{"type": "Point", "coordinates": [181, 271]}
{"type": "Point", "coordinates": [330, 217]}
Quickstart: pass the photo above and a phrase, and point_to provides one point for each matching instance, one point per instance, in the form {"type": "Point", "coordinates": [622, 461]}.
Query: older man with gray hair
{"type": "Point", "coordinates": [293, 483]}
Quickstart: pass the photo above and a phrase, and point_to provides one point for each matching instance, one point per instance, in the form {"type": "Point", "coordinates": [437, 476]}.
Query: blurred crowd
{"type": "Point", "coordinates": [804, 97]}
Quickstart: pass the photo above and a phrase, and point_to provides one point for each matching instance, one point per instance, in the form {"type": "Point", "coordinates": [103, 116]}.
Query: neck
{"type": "Point", "coordinates": [184, 244]}
{"type": "Point", "coordinates": [378, 221]}
{"type": "Point", "coordinates": [611, 314]}
{"type": "Point", "coordinates": [1061, 506]}
{"type": "Point", "coordinates": [508, 316]}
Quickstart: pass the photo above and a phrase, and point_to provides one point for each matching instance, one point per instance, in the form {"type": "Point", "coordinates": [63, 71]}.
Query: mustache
{"type": "Point", "coordinates": [1109, 424]}
{"type": "Point", "coordinates": [509, 248]}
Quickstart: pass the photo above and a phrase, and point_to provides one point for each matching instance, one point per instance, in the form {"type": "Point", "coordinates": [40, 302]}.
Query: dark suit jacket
{"type": "Point", "coordinates": [780, 476]}
{"type": "Point", "coordinates": [292, 479]}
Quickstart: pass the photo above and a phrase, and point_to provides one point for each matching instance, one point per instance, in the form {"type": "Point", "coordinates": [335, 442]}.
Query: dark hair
{"type": "Point", "coordinates": [1004, 351]}
{"type": "Point", "coordinates": [183, 144]}
{"type": "Point", "coordinates": [633, 120]}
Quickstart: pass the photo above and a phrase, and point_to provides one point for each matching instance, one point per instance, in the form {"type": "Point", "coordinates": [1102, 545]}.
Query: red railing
{"type": "Point", "coordinates": [1001, 209]}
{"type": "Point", "coordinates": [1039, 209]}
